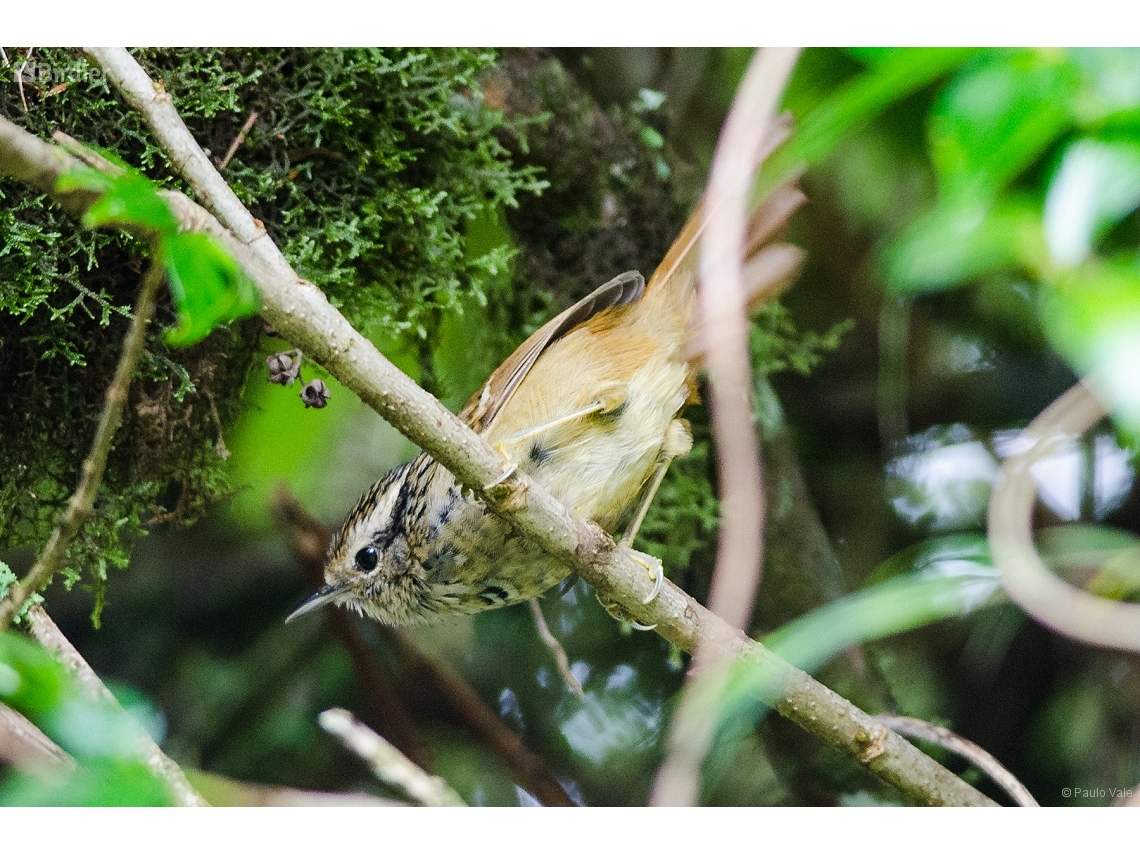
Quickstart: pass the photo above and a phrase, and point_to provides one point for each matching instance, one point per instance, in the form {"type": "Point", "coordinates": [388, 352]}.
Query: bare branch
{"type": "Point", "coordinates": [238, 140]}
{"type": "Point", "coordinates": [300, 312]}
{"type": "Point", "coordinates": [83, 500]}
{"type": "Point", "coordinates": [919, 729]}
{"type": "Point", "coordinates": [387, 763]}
{"type": "Point", "coordinates": [49, 635]}
{"type": "Point", "coordinates": [1057, 604]}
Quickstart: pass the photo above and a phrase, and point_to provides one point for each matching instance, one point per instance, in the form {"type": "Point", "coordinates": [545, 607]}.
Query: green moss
{"type": "Point", "coordinates": [364, 165]}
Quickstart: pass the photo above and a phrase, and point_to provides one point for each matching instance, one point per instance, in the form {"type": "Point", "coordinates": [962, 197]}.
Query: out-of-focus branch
{"type": "Point", "coordinates": [24, 745]}
{"type": "Point", "coordinates": [83, 499]}
{"type": "Point", "coordinates": [724, 308]}
{"type": "Point", "coordinates": [561, 660]}
{"type": "Point", "coordinates": [300, 312]}
{"type": "Point", "coordinates": [49, 635]}
{"type": "Point", "coordinates": [1029, 583]}
{"type": "Point", "coordinates": [309, 540]}
{"type": "Point", "coordinates": [916, 728]}
{"type": "Point", "coordinates": [387, 763]}
{"type": "Point", "coordinates": [226, 792]}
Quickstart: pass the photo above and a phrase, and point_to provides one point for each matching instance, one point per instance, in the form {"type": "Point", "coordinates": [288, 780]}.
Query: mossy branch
{"type": "Point", "coordinates": [300, 312]}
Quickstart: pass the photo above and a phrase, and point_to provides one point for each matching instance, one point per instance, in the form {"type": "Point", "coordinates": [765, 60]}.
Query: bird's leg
{"type": "Point", "coordinates": [678, 443]}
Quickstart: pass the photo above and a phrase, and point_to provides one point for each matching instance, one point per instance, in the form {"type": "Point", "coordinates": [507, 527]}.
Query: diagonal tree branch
{"type": "Point", "coordinates": [25, 746]}
{"type": "Point", "coordinates": [300, 312]}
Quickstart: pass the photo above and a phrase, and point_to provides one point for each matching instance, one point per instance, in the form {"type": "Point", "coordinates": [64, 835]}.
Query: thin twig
{"type": "Point", "coordinates": [388, 764]}
{"type": "Point", "coordinates": [145, 748]}
{"type": "Point", "coordinates": [301, 313]}
{"type": "Point", "coordinates": [919, 729]}
{"type": "Point", "coordinates": [555, 647]}
{"type": "Point", "coordinates": [724, 308]}
{"type": "Point", "coordinates": [83, 500]}
{"type": "Point", "coordinates": [238, 140]}
{"type": "Point", "coordinates": [20, 78]}
{"type": "Point", "coordinates": [1029, 583]}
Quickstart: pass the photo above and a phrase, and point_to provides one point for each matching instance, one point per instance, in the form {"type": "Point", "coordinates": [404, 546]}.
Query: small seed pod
{"type": "Point", "coordinates": [283, 368]}
{"type": "Point", "coordinates": [315, 394]}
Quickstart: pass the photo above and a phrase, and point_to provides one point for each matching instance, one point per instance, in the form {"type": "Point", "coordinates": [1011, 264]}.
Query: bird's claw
{"type": "Point", "coordinates": [656, 570]}
{"type": "Point", "coordinates": [512, 466]}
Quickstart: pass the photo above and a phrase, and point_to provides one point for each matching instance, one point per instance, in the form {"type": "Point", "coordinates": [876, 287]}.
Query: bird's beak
{"type": "Point", "coordinates": [325, 594]}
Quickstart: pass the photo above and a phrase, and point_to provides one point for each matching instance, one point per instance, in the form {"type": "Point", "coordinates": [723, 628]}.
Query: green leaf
{"type": "Point", "coordinates": [100, 737]}
{"type": "Point", "coordinates": [872, 56]}
{"type": "Point", "coordinates": [962, 238]}
{"type": "Point", "coordinates": [897, 75]}
{"type": "Point", "coordinates": [1110, 554]}
{"type": "Point", "coordinates": [1095, 186]}
{"type": "Point", "coordinates": [127, 199]}
{"type": "Point", "coordinates": [950, 577]}
{"type": "Point", "coordinates": [36, 685]}
{"type": "Point", "coordinates": [31, 682]}
{"type": "Point", "coordinates": [208, 286]}
{"type": "Point", "coordinates": [1112, 82]}
{"type": "Point", "coordinates": [99, 784]}
{"type": "Point", "coordinates": [1091, 315]}
{"type": "Point", "coordinates": [997, 116]}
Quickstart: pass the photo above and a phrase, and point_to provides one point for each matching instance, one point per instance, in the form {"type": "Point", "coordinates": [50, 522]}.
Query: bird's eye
{"type": "Point", "coordinates": [367, 558]}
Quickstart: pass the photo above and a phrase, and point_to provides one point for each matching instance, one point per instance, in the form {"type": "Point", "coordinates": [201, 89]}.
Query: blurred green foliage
{"type": "Point", "coordinates": [1035, 156]}
{"type": "Point", "coordinates": [997, 197]}
{"type": "Point", "coordinates": [972, 241]}
{"type": "Point", "coordinates": [98, 737]}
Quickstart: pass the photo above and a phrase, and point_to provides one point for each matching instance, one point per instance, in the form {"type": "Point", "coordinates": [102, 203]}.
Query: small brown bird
{"type": "Point", "coordinates": [587, 406]}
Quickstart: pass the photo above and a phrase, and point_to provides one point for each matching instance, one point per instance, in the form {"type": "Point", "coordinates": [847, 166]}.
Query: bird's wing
{"type": "Point", "coordinates": [765, 221]}
{"type": "Point", "coordinates": [496, 392]}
